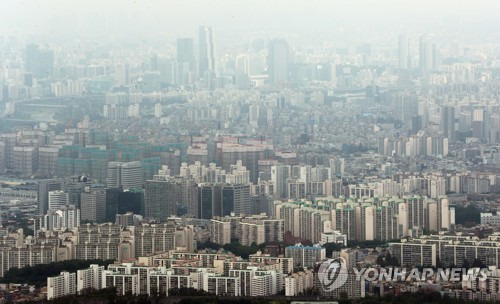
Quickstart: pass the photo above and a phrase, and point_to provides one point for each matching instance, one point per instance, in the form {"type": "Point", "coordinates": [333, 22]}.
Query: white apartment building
{"type": "Point", "coordinates": [490, 219]}
{"type": "Point", "coordinates": [90, 278]}
{"type": "Point", "coordinates": [220, 231]}
{"type": "Point", "coordinates": [62, 285]}
{"type": "Point", "coordinates": [298, 282]}
{"type": "Point", "coordinates": [124, 283]}
{"type": "Point", "coordinates": [305, 256]}
{"type": "Point", "coordinates": [333, 237]}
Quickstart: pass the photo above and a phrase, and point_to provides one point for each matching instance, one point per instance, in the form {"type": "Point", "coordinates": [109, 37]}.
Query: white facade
{"type": "Point", "coordinates": [58, 199]}
{"type": "Point", "coordinates": [220, 231]}
{"type": "Point", "coordinates": [124, 283]}
{"type": "Point", "coordinates": [333, 237]}
{"type": "Point", "coordinates": [297, 283]}
{"type": "Point", "coordinates": [90, 278]}
{"type": "Point", "coordinates": [61, 285]}
{"type": "Point", "coordinates": [125, 175]}
{"type": "Point", "coordinates": [67, 217]}
{"type": "Point", "coordinates": [490, 219]}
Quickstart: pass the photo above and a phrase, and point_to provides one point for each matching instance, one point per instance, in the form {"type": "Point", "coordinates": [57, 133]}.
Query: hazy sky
{"type": "Point", "coordinates": [150, 19]}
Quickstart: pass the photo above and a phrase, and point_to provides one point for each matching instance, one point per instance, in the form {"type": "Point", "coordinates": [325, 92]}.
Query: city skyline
{"type": "Point", "coordinates": [256, 151]}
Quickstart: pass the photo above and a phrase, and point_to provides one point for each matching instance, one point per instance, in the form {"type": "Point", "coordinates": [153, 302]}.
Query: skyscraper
{"type": "Point", "coordinates": [404, 54]}
{"type": "Point", "coordinates": [279, 175]}
{"type": "Point", "coordinates": [25, 160]}
{"type": "Point", "coordinates": [209, 200]}
{"type": "Point", "coordinates": [44, 186]}
{"type": "Point", "coordinates": [93, 204]}
{"type": "Point", "coordinates": [448, 122]}
{"type": "Point", "coordinates": [185, 52]}
{"type": "Point", "coordinates": [125, 175]}
{"type": "Point", "coordinates": [122, 74]}
{"type": "Point", "coordinates": [75, 186]}
{"type": "Point", "coordinates": [425, 54]}
{"type": "Point", "coordinates": [9, 142]}
{"type": "Point", "coordinates": [277, 62]}
{"type": "Point", "coordinates": [235, 198]}
{"type": "Point", "coordinates": [39, 61]}
{"type": "Point", "coordinates": [131, 201]}
{"type": "Point", "coordinates": [57, 199]}
{"type": "Point", "coordinates": [47, 160]}
{"type": "Point", "coordinates": [160, 198]}
{"type": "Point", "coordinates": [2, 157]}
{"type": "Point", "coordinates": [131, 175]}
{"type": "Point", "coordinates": [206, 60]}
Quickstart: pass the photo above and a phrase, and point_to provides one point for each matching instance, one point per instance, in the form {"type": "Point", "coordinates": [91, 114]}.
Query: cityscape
{"type": "Point", "coordinates": [249, 152]}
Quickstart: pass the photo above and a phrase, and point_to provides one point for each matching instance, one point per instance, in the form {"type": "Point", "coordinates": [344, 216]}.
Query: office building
{"type": "Point", "coordinates": [122, 74]}
{"type": "Point", "coordinates": [25, 160]}
{"type": "Point", "coordinates": [131, 201]}
{"type": "Point", "coordinates": [206, 57]}
{"type": "Point", "coordinates": [43, 188]}
{"type": "Point", "coordinates": [2, 157]}
{"type": "Point", "coordinates": [278, 61]}
{"type": "Point", "coordinates": [228, 154]}
{"type": "Point", "coordinates": [124, 175]}
{"type": "Point", "coordinates": [9, 142]}
{"type": "Point", "coordinates": [426, 54]}
{"type": "Point", "coordinates": [161, 197]}
{"type": "Point", "coordinates": [93, 205]}
{"type": "Point", "coordinates": [58, 199]}
{"type": "Point", "coordinates": [112, 200]}
{"type": "Point", "coordinates": [210, 196]}
{"type": "Point", "coordinates": [75, 186]}
{"type": "Point", "coordinates": [185, 52]}
{"type": "Point", "coordinates": [448, 123]}
{"type": "Point", "coordinates": [39, 61]}
{"type": "Point", "coordinates": [279, 176]}
{"type": "Point", "coordinates": [404, 52]}
{"type": "Point", "coordinates": [47, 161]}
{"type": "Point", "coordinates": [235, 198]}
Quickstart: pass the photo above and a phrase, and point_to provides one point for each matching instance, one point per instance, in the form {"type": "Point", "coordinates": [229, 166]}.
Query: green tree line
{"type": "Point", "coordinates": [37, 275]}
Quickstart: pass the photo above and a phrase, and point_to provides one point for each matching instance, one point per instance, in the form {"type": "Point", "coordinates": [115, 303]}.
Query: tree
{"type": "Point", "coordinates": [380, 261]}
{"type": "Point", "coordinates": [343, 295]}
{"type": "Point", "coordinates": [387, 260]}
{"type": "Point", "coordinates": [465, 264]}
{"type": "Point", "coordinates": [439, 264]}
{"type": "Point", "coordinates": [467, 216]}
{"type": "Point", "coordinates": [393, 261]}
{"type": "Point", "coordinates": [478, 263]}
{"type": "Point", "coordinates": [331, 247]}
{"type": "Point", "coordinates": [38, 274]}
{"type": "Point", "coordinates": [209, 245]}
